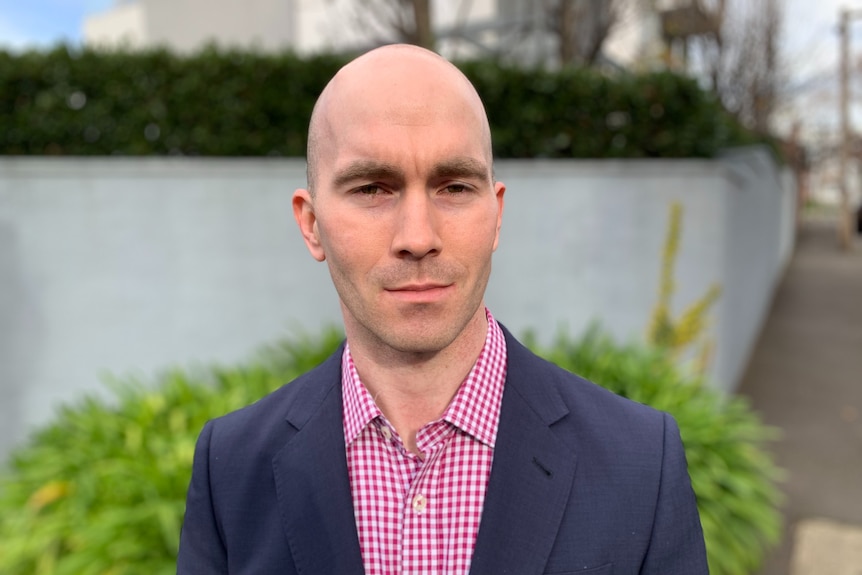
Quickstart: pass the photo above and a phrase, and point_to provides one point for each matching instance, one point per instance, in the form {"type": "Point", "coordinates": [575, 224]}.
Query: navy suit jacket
{"type": "Point", "coordinates": [582, 481]}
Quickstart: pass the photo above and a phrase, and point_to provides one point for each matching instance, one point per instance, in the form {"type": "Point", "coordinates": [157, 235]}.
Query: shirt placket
{"type": "Point", "coordinates": [422, 530]}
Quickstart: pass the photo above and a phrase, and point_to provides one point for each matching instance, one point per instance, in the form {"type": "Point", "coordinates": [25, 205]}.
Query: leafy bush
{"type": "Point", "coordinates": [102, 489]}
{"type": "Point", "coordinates": [230, 103]}
{"type": "Point", "coordinates": [85, 102]}
{"type": "Point", "coordinates": [581, 113]}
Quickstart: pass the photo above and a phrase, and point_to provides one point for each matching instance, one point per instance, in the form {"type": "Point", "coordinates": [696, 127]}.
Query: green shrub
{"type": "Point", "coordinates": [582, 113]}
{"type": "Point", "coordinates": [102, 488]}
{"type": "Point", "coordinates": [231, 103]}
{"type": "Point", "coordinates": [83, 102]}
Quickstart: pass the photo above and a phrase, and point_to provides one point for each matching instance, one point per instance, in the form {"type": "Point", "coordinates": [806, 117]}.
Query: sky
{"type": "Point", "coordinates": [40, 23]}
{"type": "Point", "coordinates": [811, 35]}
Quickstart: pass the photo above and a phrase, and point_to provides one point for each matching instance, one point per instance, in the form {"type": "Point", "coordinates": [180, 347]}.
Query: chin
{"type": "Point", "coordinates": [418, 343]}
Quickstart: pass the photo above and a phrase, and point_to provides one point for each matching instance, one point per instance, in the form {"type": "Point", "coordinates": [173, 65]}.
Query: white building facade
{"type": "Point", "coordinates": [305, 26]}
{"type": "Point", "coordinates": [517, 29]}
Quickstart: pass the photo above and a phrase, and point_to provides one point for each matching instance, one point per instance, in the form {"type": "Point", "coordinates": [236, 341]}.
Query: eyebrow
{"type": "Point", "coordinates": [371, 170]}
{"type": "Point", "coordinates": [461, 167]}
{"type": "Point", "coordinates": [367, 170]}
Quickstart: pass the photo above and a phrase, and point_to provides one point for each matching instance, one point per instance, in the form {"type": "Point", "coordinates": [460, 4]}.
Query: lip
{"type": "Point", "coordinates": [420, 293]}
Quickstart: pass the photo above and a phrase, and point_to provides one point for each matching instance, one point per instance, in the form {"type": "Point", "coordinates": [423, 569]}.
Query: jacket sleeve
{"type": "Point", "coordinates": [202, 549]}
{"type": "Point", "coordinates": [676, 546]}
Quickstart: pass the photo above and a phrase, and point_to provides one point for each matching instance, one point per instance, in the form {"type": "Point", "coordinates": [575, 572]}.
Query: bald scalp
{"type": "Point", "coordinates": [417, 74]}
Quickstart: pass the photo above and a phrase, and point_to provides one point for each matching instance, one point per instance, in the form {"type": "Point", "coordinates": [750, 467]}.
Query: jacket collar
{"type": "Point", "coordinates": [311, 479]}
{"type": "Point", "coordinates": [531, 478]}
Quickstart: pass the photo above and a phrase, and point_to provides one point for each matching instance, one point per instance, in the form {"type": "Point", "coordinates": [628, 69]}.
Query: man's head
{"type": "Point", "coordinates": [399, 63]}
{"type": "Point", "coordinates": [401, 201]}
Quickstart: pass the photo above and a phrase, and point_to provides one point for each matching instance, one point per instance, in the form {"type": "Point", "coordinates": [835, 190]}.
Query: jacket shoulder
{"type": "Point", "coordinates": [284, 410]}
{"type": "Point", "coordinates": [559, 395]}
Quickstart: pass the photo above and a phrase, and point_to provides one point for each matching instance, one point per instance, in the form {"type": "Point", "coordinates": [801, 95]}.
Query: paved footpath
{"type": "Point", "coordinates": [805, 377]}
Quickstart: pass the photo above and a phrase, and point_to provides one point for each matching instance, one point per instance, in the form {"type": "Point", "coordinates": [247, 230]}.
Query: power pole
{"type": "Point", "coordinates": [844, 222]}
{"type": "Point", "coordinates": [422, 18]}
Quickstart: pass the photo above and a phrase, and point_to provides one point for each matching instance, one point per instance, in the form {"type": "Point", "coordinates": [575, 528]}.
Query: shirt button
{"type": "Point", "coordinates": [419, 503]}
{"type": "Point", "coordinates": [386, 433]}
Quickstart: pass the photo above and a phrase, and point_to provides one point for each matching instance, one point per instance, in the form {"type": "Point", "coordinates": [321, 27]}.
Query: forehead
{"type": "Point", "coordinates": [404, 92]}
{"type": "Point", "coordinates": [432, 118]}
{"type": "Point", "coordinates": [418, 118]}
{"type": "Point", "coordinates": [416, 128]}
{"type": "Point", "coordinates": [411, 138]}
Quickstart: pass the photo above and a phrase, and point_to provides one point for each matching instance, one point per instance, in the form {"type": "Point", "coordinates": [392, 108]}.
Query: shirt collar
{"type": "Point", "coordinates": [359, 407]}
{"type": "Point", "coordinates": [475, 409]}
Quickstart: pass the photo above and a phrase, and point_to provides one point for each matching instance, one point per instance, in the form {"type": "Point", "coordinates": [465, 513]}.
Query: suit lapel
{"type": "Point", "coordinates": [530, 484]}
{"type": "Point", "coordinates": [312, 483]}
{"type": "Point", "coordinates": [532, 474]}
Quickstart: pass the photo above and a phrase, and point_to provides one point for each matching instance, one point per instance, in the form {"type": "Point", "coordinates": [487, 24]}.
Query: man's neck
{"type": "Point", "coordinates": [411, 389]}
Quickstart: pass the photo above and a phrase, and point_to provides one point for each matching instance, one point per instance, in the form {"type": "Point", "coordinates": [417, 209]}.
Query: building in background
{"type": "Point", "coordinates": [188, 25]}
{"type": "Point", "coordinates": [304, 26]}
{"type": "Point", "coordinates": [550, 32]}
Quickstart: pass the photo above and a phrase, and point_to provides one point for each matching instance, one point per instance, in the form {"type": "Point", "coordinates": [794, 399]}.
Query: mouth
{"type": "Point", "coordinates": [420, 293]}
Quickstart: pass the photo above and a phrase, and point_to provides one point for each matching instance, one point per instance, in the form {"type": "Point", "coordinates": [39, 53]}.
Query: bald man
{"type": "Point", "coordinates": [431, 441]}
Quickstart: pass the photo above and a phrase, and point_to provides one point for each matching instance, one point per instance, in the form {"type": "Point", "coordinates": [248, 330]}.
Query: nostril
{"type": "Point", "coordinates": [416, 253]}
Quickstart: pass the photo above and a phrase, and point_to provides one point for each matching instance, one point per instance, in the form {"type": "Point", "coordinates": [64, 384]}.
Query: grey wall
{"type": "Point", "coordinates": [128, 266]}
{"type": "Point", "coordinates": [582, 242]}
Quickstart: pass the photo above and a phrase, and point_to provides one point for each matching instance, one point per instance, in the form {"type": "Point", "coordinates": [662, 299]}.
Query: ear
{"type": "Point", "coordinates": [303, 212]}
{"type": "Point", "coordinates": [499, 191]}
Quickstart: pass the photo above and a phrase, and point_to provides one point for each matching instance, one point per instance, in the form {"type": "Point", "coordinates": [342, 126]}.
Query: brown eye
{"type": "Point", "coordinates": [369, 190]}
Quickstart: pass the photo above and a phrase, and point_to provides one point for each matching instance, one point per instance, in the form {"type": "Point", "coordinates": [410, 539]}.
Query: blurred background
{"type": "Point", "coordinates": [680, 172]}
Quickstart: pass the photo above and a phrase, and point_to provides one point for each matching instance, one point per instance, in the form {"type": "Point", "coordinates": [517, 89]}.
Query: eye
{"type": "Point", "coordinates": [368, 190]}
{"type": "Point", "coordinates": [456, 188]}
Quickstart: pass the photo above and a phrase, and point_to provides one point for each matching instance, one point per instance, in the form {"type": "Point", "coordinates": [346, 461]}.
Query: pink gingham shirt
{"type": "Point", "coordinates": [421, 516]}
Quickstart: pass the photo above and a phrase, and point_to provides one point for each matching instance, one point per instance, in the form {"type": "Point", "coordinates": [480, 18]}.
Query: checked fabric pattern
{"type": "Point", "coordinates": [421, 514]}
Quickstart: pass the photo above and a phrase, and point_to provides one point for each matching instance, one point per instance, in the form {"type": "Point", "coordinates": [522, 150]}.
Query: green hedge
{"type": "Point", "coordinates": [96, 103]}
{"type": "Point", "coordinates": [82, 102]}
{"type": "Point", "coordinates": [102, 488]}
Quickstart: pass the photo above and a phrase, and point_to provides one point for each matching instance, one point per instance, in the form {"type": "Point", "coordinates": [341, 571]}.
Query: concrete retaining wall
{"type": "Point", "coordinates": [133, 265]}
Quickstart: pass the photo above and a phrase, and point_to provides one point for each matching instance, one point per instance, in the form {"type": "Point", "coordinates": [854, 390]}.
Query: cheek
{"type": "Point", "coordinates": [351, 247]}
{"type": "Point", "coordinates": [480, 237]}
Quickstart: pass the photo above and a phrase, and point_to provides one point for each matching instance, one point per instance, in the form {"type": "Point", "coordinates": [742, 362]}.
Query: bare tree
{"type": "Point", "coordinates": [387, 21]}
{"type": "Point", "coordinates": [569, 32]}
{"type": "Point", "coordinates": [742, 62]}
{"type": "Point", "coordinates": [581, 27]}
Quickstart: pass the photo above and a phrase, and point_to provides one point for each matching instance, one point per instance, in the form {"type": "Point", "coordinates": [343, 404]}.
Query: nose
{"type": "Point", "coordinates": [416, 233]}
